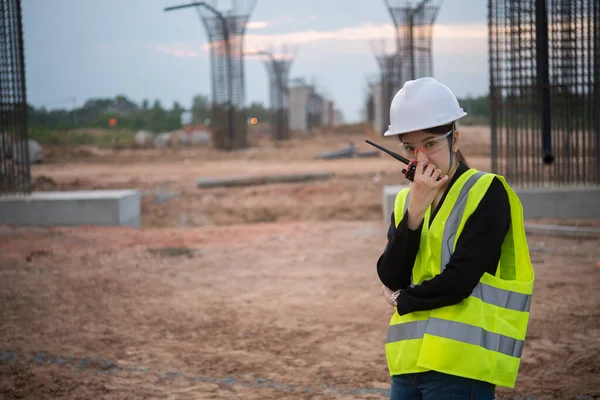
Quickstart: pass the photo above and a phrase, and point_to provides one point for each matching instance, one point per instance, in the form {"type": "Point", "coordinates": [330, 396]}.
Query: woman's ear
{"type": "Point", "coordinates": [455, 141]}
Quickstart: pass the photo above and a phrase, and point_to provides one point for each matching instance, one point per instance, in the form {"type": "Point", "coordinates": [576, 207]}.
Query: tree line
{"type": "Point", "coordinates": [96, 112]}
{"type": "Point", "coordinates": [154, 117]}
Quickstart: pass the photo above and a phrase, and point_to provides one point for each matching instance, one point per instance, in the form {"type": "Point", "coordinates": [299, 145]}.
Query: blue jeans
{"type": "Point", "coordinates": [432, 385]}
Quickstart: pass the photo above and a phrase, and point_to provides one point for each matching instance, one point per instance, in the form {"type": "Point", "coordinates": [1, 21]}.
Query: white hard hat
{"type": "Point", "coordinates": [422, 104]}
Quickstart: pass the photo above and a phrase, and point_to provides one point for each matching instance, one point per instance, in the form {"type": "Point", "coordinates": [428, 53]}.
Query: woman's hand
{"type": "Point", "coordinates": [387, 292]}
{"type": "Point", "coordinates": [423, 189]}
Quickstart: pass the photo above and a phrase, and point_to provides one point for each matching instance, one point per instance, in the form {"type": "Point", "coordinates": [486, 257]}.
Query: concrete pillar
{"type": "Point", "coordinates": [379, 123]}
{"type": "Point", "coordinates": [298, 110]}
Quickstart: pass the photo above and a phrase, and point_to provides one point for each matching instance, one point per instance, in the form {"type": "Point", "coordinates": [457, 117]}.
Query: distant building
{"type": "Point", "coordinates": [315, 110]}
{"type": "Point", "coordinates": [308, 109]}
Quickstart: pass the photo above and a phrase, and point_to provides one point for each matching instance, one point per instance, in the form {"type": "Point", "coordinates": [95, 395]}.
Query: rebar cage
{"type": "Point", "coordinates": [15, 175]}
{"type": "Point", "coordinates": [227, 68]}
{"type": "Point", "coordinates": [545, 91]}
{"type": "Point", "coordinates": [414, 32]}
{"type": "Point", "coordinates": [390, 71]}
{"type": "Point", "coordinates": [278, 66]}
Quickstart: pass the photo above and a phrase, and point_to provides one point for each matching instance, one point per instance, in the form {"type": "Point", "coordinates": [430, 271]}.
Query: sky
{"type": "Point", "coordinates": [81, 49]}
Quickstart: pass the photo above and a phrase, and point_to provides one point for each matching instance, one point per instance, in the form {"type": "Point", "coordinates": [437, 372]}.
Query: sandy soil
{"type": "Point", "coordinates": [261, 311]}
{"type": "Point", "coordinates": [255, 298]}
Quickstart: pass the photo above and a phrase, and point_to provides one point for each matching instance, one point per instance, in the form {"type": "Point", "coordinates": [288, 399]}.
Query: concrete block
{"type": "Point", "coordinates": [95, 207]}
{"type": "Point", "coordinates": [556, 202]}
{"type": "Point", "coordinates": [389, 197]}
{"type": "Point", "coordinates": [561, 230]}
{"type": "Point", "coordinates": [560, 202]}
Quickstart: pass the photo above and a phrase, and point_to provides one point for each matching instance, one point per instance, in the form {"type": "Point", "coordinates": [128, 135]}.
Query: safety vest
{"type": "Point", "coordinates": [482, 336]}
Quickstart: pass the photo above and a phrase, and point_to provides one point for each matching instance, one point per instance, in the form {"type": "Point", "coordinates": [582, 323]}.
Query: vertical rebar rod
{"type": "Point", "coordinates": [493, 106]}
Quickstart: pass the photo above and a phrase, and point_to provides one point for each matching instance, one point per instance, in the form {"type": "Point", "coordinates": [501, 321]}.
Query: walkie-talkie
{"type": "Point", "coordinates": [411, 166]}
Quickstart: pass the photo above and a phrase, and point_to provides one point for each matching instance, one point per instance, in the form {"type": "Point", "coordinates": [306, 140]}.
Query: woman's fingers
{"type": "Point", "coordinates": [427, 171]}
{"type": "Point", "coordinates": [420, 168]}
{"type": "Point", "coordinates": [429, 176]}
{"type": "Point", "coordinates": [436, 174]}
{"type": "Point", "coordinates": [387, 292]}
{"type": "Point", "coordinates": [431, 170]}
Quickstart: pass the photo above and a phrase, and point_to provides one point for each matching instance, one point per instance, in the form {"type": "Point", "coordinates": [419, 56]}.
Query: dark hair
{"type": "Point", "coordinates": [440, 130]}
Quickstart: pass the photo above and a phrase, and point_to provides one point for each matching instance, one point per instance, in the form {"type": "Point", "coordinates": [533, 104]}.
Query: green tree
{"type": "Point", "coordinates": [124, 106]}
{"type": "Point", "coordinates": [201, 109]}
{"type": "Point", "coordinates": [95, 112]}
{"type": "Point", "coordinates": [258, 110]}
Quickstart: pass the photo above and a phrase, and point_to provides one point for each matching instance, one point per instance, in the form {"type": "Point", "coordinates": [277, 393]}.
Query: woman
{"type": "Point", "coordinates": [456, 266]}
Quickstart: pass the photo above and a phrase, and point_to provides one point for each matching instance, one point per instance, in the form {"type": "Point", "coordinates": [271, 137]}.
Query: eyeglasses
{"type": "Point", "coordinates": [431, 146]}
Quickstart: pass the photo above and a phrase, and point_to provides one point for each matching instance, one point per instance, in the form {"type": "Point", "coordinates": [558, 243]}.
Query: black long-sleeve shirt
{"type": "Point", "coordinates": [477, 251]}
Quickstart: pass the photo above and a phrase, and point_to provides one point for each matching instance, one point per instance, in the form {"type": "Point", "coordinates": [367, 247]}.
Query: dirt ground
{"type": "Point", "coordinates": [167, 179]}
{"type": "Point", "coordinates": [262, 292]}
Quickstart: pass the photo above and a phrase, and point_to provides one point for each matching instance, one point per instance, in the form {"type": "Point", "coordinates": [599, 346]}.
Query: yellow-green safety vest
{"type": "Point", "coordinates": [482, 336]}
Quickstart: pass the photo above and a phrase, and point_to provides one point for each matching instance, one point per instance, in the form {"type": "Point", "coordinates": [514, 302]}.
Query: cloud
{"type": "Point", "coordinates": [257, 25]}
{"type": "Point", "coordinates": [364, 32]}
{"type": "Point", "coordinates": [448, 38]}
{"type": "Point", "coordinates": [462, 31]}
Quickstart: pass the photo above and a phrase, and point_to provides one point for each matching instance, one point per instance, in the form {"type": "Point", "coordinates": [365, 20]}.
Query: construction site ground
{"type": "Point", "coordinates": [260, 292]}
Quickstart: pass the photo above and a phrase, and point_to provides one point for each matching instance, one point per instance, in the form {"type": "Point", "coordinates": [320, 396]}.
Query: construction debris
{"type": "Point", "coordinates": [347, 152]}
{"type": "Point", "coordinates": [261, 180]}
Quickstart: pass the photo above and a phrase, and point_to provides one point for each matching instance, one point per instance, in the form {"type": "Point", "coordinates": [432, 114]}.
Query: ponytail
{"type": "Point", "coordinates": [461, 158]}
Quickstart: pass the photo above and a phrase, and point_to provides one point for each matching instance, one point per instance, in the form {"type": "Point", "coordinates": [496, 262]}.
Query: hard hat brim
{"type": "Point", "coordinates": [390, 132]}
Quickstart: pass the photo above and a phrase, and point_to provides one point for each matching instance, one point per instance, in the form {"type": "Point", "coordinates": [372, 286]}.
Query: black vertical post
{"type": "Point", "coordinates": [492, 103]}
{"type": "Point", "coordinates": [411, 43]}
{"type": "Point", "coordinates": [596, 83]}
{"type": "Point", "coordinates": [543, 76]}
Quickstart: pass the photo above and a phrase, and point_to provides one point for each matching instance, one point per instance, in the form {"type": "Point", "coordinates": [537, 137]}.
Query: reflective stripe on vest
{"type": "Point", "coordinates": [456, 331]}
{"type": "Point", "coordinates": [502, 298]}
{"type": "Point", "coordinates": [412, 283]}
{"type": "Point", "coordinates": [453, 221]}
{"type": "Point", "coordinates": [468, 333]}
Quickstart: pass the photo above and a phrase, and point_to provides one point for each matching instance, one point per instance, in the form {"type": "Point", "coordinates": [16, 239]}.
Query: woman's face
{"type": "Point", "coordinates": [435, 146]}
